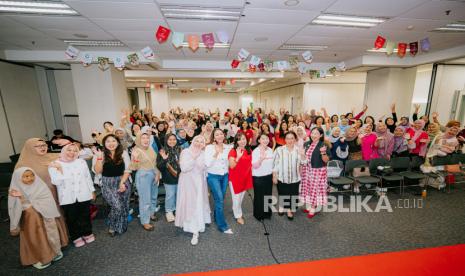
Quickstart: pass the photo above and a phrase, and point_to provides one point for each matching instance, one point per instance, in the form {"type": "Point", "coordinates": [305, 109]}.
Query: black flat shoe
{"type": "Point", "coordinates": [111, 233]}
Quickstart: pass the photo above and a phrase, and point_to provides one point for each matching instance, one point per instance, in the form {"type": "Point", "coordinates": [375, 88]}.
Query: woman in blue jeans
{"type": "Point", "coordinates": [216, 161]}
{"type": "Point", "coordinates": [147, 176]}
{"type": "Point", "coordinates": [168, 164]}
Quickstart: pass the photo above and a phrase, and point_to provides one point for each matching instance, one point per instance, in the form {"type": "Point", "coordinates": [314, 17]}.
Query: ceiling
{"type": "Point", "coordinates": [134, 22]}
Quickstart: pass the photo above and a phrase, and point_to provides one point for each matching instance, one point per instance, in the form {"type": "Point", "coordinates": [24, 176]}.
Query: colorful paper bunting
{"type": "Point", "coordinates": [322, 74]}
{"type": "Point", "coordinates": [103, 63]}
{"type": "Point", "coordinates": [252, 68]}
{"type": "Point", "coordinates": [255, 60]}
{"type": "Point", "coordinates": [118, 62]}
{"type": "Point", "coordinates": [234, 63]}
{"type": "Point", "coordinates": [341, 66]}
{"type": "Point", "coordinates": [243, 54]}
{"type": "Point", "coordinates": [390, 47]}
{"type": "Point", "coordinates": [208, 40]}
{"type": "Point", "coordinates": [86, 59]}
{"type": "Point", "coordinates": [148, 53]}
{"type": "Point", "coordinates": [71, 52]}
{"type": "Point", "coordinates": [244, 66]}
{"type": "Point", "coordinates": [261, 67]}
{"type": "Point", "coordinates": [193, 41]}
{"type": "Point", "coordinates": [162, 34]}
{"type": "Point", "coordinates": [268, 65]}
{"type": "Point", "coordinates": [222, 36]}
{"type": "Point", "coordinates": [177, 39]}
{"type": "Point", "coordinates": [133, 59]}
{"type": "Point", "coordinates": [293, 62]}
{"type": "Point", "coordinates": [303, 67]}
{"type": "Point", "coordinates": [413, 46]}
{"type": "Point", "coordinates": [379, 42]}
{"type": "Point", "coordinates": [401, 49]}
{"type": "Point", "coordinates": [282, 65]}
{"type": "Point", "coordinates": [425, 45]}
{"type": "Point", "coordinates": [308, 56]}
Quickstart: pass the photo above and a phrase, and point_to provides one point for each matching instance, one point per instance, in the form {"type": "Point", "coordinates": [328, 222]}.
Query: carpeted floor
{"type": "Point", "coordinates": [167, 250]}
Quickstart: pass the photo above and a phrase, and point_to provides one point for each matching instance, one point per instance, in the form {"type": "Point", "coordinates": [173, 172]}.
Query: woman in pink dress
{"type": "Point", "coordinates": [369, 148]}
{"type": "Point", "coordinates": [192, 206]}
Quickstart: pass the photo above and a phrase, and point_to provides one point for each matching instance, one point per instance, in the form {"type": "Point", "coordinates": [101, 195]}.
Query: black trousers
{"type": "Point", "coordinates": [262, 191]}
{"type": "Point", "coordinates": [289, 192]}
{"type": "Point", "coordinates": [77, 217]}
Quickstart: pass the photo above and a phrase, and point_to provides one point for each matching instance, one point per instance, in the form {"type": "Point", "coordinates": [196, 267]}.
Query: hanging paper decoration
{"type": "Point", "coordinates": [390, 47]}
{"type": "Point", "coordinates": [425, 45]}
{"type": "Point", "coordinates": [133, 59]}
{"type": "Point", "coordinates": [148, 53]}
{"type": "Point", "coordinates": [341, 66]}
{"type": "Point", "coordinates": [86, 59]}
{"type": "Point", "coordinates": [293, 62]}
{"type": "Point", "coordinates": [222, 36]}
{"type": "Point", "coordinates": [332, 70]}
{"type": "Point", "coordinates": [103, 63]}
{"type": "Point", "coordinates": [379, 42]}
{"type": "Point", "coordinates": [413, 46]}
{"type": "Point", "coordinates": [254, 60]}
{"type": "Point", "coordinates": [71, 52]}
{"type": "Point", "coordinates": [313, 74]}
{"type": "Point", "coordinates": [261, 67]}
{"type": "Point", "coordinates": [252, 68]}
{"type": "Point", "coordinates": [228, 82]}
{"type": "Point", "coordinates": [282, 65]}
{"type": "Point", "coordinates": [322, 74]}
{"type": "Point", "coordinates": [177, 39]}
{"type": "Point", "coordinates": [308, 56]}
{"type": "Point", "coordinates": [243, 54]}
{"type": "Point", "coordinates": [268, 65]}
{"type": "Point", "coordinates": [217, 83]}
{"type": "Point", "coordinates": [233, 81]}
{"type": "Point", "coordinates": [303, 67]}
{"type": "Point", "coordinates": [244, 66]}
{"type": "Point", "coordinates": [234, 63]}
{"type": "Point", "coordinates": [208, 40]}
{"type": "Point", "coordinates": [193, 41]}
{"type": "Point", "coordinates": [162, 34]}
{"type": "Point", "coordinates": [401, 49]}
{"type": "Point", "coordinates": [118, 62]}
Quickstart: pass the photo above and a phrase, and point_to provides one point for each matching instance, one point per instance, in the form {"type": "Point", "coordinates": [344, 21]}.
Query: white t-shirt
{"type": "Point", "coordinates": [266, 168]}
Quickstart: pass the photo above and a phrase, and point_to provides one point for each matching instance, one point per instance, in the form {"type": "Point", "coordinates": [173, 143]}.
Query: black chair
{"type": "Point", "coordinates": [399, 165]}
{"type": "Point", "coordinates": [341, 180]}
{"type": "Point", "coordinates": [392, 177]}
{"type": "Point", "coordinates": [413, 172]}
{"type": "Point", "coordinates": [370, 180]}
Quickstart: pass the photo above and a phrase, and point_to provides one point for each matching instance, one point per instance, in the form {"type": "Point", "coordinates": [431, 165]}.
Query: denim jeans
{"type": "Point", "coordinates": [147, 190]}
{"type": "Point", "coordinates": [218, 185]}
{"type": "Point", "coordinates": [170, 197]}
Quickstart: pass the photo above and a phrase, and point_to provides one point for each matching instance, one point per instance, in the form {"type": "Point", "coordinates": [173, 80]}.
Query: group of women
{"type": "Point", "coordinates": [196, 155]}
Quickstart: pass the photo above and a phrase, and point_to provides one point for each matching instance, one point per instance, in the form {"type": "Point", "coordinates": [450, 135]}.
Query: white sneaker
{"type": "Point", "coordinates": [229, 231]}
{"type": "Point", "coordinates": [39, 265]}
{"type": "Point", "coordinates": [170, 217]}
{"type": "Point", "coordinates": [368, 186]}
{"type": "Point", "coordinates": [195, 239]}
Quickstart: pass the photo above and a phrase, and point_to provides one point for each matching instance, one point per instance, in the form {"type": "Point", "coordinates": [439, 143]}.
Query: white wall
{"type": "Point", "coordinates": [203, 100]}
{"type": "Point", "coordinates": [23, 105]}
{"type": "Point", "coordinates": [161, 100]}
{"type": "Point", "coordinates": [65, 90]}
{"type": "Point", "coordinates": [448, 80]}
{"type": "Point", "coordinates": [278, 98]}
{"type": "Point", "coordinates": [390, 85]}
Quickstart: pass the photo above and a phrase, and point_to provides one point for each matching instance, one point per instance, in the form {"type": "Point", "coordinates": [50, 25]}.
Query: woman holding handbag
{"type": "Point", "coordinates": [168, 164]}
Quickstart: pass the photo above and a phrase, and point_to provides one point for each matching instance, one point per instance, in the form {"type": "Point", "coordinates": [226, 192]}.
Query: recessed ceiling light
{"type": "Point", "coordinates": [262, 38]}
{"type": "Point", "coordinates": [42, 7]}
{"type": "Point", "coordinates": [291, 3]}
{"type": "Point", "coordinates": [201, 12]}
{"type": "Point", "coordinates": [302, 47]}
{"type": "Point", "coordinates": [95, 43]}
{"type": "Point", "coordinates": [348, 20]}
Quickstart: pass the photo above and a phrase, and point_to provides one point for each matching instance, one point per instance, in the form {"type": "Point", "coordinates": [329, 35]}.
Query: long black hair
{"type": "Point", "coordinates": [282, 134]}
{"type": "Point", "coordinates": [212, 136]}
{"type": "Point", "coordinates": [237, 138]}
{"type": "Point", "coordinates": [322, 133]}
{"type": "Point", "coordinates": [118, 157]}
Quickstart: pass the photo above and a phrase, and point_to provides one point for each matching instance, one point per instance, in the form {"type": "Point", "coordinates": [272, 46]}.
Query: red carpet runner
{"type": "Point", "coordinates": [444, 260]}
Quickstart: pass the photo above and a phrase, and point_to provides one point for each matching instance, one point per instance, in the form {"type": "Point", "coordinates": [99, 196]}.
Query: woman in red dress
{"type": "Point", "coordinates": [245, 129]}
{"type": "Point", "coordinates": [240, 173]}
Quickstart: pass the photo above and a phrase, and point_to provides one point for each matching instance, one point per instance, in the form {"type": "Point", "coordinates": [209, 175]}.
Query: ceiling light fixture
{"type": "Point", "coordinates": [202, 45]}
{"type": "Point", "coordinates": [383, 50]}
{"type": "Point", "coordinates": [95, 43]}
{"type": "Point", "coordinates": [201, 13]}
{"type": "Point", "coordinates": [302, 47]}
{"type": "Point", "coordinates": [348, 20]}
{"type": "Point", "coordinates": [28, 7]}
{"type": "Point", "coordinates": [452, 27]}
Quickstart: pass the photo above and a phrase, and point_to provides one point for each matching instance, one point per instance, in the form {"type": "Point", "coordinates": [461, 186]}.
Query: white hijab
{"type": "Point", "coordinates": [38, 194]}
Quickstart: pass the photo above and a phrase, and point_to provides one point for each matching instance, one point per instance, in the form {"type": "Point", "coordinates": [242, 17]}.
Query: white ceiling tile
{"type": "Point", "coordinates": [213, 3]}
{"type": "Point", "coordinates": [267, 29]}
{"type": "Point", "coordinates": [275, 16]}
{"type": "Point", "coordinates": [313, 40]}
{"type": "Point", "coordinates": [334, 31]}
{"type": "Point", "coordinates": [129, 24]}
{"type": "Point", "coordinates": [117, 10]}
{"type": "Point", "coordinates": [436, 10]}
{"type": "Point", "coordinates": [196, 26]}
{"type": "Point", "coordinates": [373, 7]}
{"type": "Point", "coordinates": [53, 22]}
{"type": "Point", "coordinates": [95, 34]}
{"type": "Point", "coordinates": [419, 25]}
{"type": "Point", "coordinates": [134, 35]}
{"type": "Point", "coordinates": [42, 43]}
{"type": "Point", "coordinates": [313, 5]}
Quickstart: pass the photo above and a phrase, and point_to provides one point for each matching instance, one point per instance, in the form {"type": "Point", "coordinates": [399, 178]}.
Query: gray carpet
{"type": "Point", "coordinates": [167, 250]}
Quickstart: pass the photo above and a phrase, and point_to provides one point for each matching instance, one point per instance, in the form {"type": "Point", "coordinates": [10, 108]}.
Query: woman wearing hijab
{"type": "Point", "coordinates": [353, 141]}
{"type": "Point", "coordinates": [168, 164]}
{"type": "Point", "coordinates": [113, 164]}
{"type": "Point", "coordinates": [144, 162]}
{"type": "Point", "coordinates": [404, 123]}
{"type": "Point", "coordinates": [76, 189]}
{"type": "Point", "coordinates": [339, 147]}
{"type": "Point", "coordinates": [34, 155]}
{"type": "Point", "coordinates": [368, 142]}
{"type": "Point", "coordinates": [401, 144]}
{"type": "Point", "coordinates": [34, 216]}
{"type": "Point", "coordinates": [384, 141]}
{"type": "Point", "coordinates": [192, 205]}
{"type": "Point", "coordinates": [419, 137]}
{"type": "Point", "coordinates": [124, 138]}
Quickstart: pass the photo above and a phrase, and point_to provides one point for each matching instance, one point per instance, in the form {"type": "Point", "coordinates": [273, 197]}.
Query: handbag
{"type": "Point", "coordinates": [385, 170]}
{"type": "Point", "coordinates": [343, 154]}
{"type": "Point", "coordinates": [453, 168]}
{"type": "Point", "coordinates": [171, 170]}
{"type": "Point", "coordinates": [333, 169]}
{"type": "Point", "coordinates": [362, 171]}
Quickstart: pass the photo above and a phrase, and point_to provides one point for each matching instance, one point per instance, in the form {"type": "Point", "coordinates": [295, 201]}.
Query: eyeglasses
{"type": "Point", "coordinates": [43, 146]}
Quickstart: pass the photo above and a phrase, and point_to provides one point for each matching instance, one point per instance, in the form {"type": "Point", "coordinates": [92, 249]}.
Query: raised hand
{"type": "Point", "coordinates": [15, 193]}
{"type": "Point", "coordinates": [240, 152]}
{"type": "Point", "coordinates": [163, 154]}
{"type": "Point", "coordinates": [393, 108]}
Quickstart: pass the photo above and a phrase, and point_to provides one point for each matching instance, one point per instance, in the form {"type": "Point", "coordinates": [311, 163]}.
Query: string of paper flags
{"type": "Point", "coordinates": [402, 47]}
